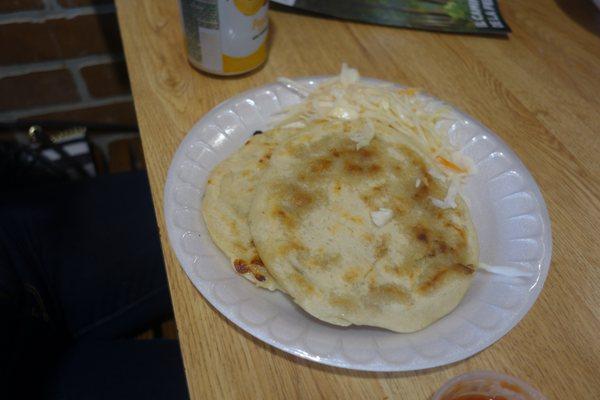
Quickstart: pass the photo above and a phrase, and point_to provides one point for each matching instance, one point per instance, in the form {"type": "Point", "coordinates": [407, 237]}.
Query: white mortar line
{"type": "Point", "coordinates": [96, 59]}
{"type": "Point", "coordinates": [38, 16]}
{"type": "Point", "coordinates": [76, 66]}
{"type": "Point", "coordinates": [22, 69]}
{"type": "Point", "coordinates": [26, 68]}
{"type": "Point", "coordinates": [80, 84]}
{"type": "Point", "coordinates": [14, 115]}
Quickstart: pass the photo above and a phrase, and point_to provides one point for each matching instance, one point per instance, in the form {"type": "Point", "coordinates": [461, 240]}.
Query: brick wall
{"type": "Point", "coordinates": [62, 60]}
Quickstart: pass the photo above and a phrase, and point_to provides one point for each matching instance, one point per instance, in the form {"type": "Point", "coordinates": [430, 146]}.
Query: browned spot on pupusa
{"type": "Point", "coordinates": [442, 247]}
{"type": "Point", "coordinates": [366, 153]}
{"type": "Point", "coordinates": [266, 157]}
{"type": "Point", "coordinates": [433, 282]}
{"type": "Point", "coordinates": [301, 281]}
{"type": "Point", "coordinates": [343, 302]}
{"type": "Point", "coordinates": [368, 200]}
{"type": "Point", "coordinates": [257, 267]}
{"type": "Point", "coordinates": [333, 229]}
{"type": "Point", "coordinates": [322, 259]}
{"type": "Point", "coordinates": [381, 250]}
{"type": "Point", "coordinates": [422, 192]}
{"type": "Point", "coordinates": [351, 217]}
{"type": "Point", "coordinates": [240, 266]}
{"type": "Point", "coordinates": [435, 243]}
{"type": "Point", "coordinates": [243, 267]}
{"type": "Point", "coordinates": [299, 151]}
{"type": "Point", "coordinates": [401, 205]}
{"type": "Point", "coordinates": [398, 210]}
{"type": "Point", "coordinates": [466, 269]}
{"type": "Point", "coordinates": [401, 271]}
{"type": "Point", "coordinates": [300, 198]}
{"type": "Point", "coordinates": [257, 261]}
{"type": "Point", "coordinates": [296, 245]}
{"type": "Point", "coordinates": [368, 237]}
{"type": "Point", "coordinates": [428, 184]}
{"type": "Point", "coordinates": [421, 233]}
{"type": "Point", "coordinates": [352, 161]}
{"type": "Point", "coordinates": [233, 227]}
{"type": "Point", "coordinates": [285, 217]}
{"type": "Point", "coordinates": [439, 248]}
{"type": "Point", "coordinates": [351, 275]}
{"type": "Point", "coordinates": [293, 203]}
{"type": "Point", "coordinates": [461, 232]}
{"type": "Point", "coordinates": [353, 168]}
{"type": "Point", "coordinates": [374, 169]}
{"type": "Point", "coordinates": [289, 247]}
{"type": "Point", "coordinates": [239, 245]}
{"type": "Point", "coordinates": [320, 165]}
{"type": "Point", "coordinates": [337, 187]}
{"type": "Point", "coordinates": [389, 293]}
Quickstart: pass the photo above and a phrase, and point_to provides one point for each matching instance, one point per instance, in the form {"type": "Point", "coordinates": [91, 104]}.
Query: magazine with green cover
{"type": "Point", "coordinates": [464, 16]}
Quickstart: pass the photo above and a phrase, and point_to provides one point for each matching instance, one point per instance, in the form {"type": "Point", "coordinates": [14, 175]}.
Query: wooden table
{"type": "Point", "coordinates": [539, 90]}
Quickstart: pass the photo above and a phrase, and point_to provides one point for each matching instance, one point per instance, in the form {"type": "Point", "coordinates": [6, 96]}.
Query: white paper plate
{"type": "Point", "coordinates": [507, 209]}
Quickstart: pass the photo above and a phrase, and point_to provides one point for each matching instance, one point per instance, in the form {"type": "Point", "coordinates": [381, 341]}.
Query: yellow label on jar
{"type": "Point", "coordinates": [249, 7]}
{"type": "Point", "coordinates": [237, 64]}
{"type": "Point", "coordinates": [226, 36]}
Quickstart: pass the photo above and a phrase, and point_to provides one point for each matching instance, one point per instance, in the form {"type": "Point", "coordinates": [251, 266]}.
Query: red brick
{"type": "Point", "coordinates": [116, 113]}
{"type": "Point", "coordinates": [27, 42]}
{"type": "Point", "coordinates": [106, 79]}
{"type": "Point", "coordinates": [59, 38]}
{"type": "Point", "coordinates": [88, 34]}
{"type": "Point", "coordinates": [7, 6]}
{"type": "Point", "coordinates": [37, 89]}
{"type": "Point", "coordinates": [80, 3]}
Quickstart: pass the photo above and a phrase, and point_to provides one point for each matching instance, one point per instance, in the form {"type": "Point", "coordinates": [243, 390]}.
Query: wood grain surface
{"type": "Point", "coordinates": [539, 89]}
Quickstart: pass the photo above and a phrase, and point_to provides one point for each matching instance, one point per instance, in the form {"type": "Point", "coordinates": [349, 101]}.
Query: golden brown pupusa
{"type": "Point", "coordinates": [311, 222]}
{"type": "Point", "coordinates": [229, 192]}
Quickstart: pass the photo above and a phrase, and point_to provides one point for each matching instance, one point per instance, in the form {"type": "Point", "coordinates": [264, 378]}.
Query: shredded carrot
{"type": "Point", "coordinates": [450, 165]}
